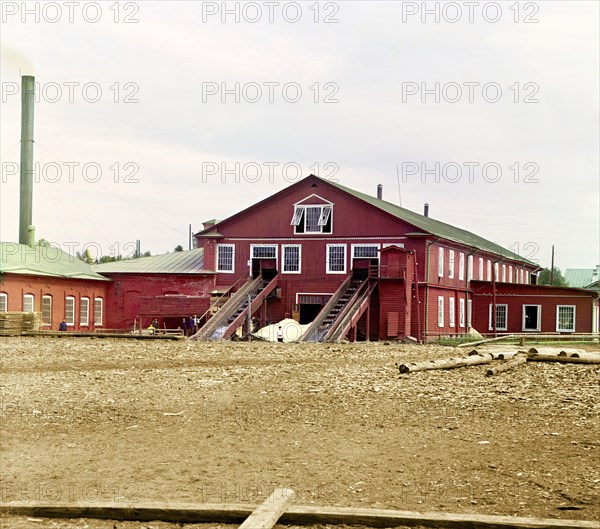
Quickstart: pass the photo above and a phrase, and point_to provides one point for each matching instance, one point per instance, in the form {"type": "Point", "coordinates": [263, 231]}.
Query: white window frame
{"type": "Point", "coordinates": [450, 264]}
{"type": "Point", "coordinates": [527, 277]}
{"type": "Point", "coordinates": [510, 273]}
{"type": "Point", "coordinates": [98, 312]}
{"type": "Point", "coordinates": [522, 276]}
{"type": "Point", "coordinates": [489, 270]}
{"type": "Point", "coordinates": [469, 313]}
{"type": "Point", "coordinates": [539, 322]}
{"type": "Point", "coordinates": [28, 302]}
{"type": "Point", "coordinates": [328, 264]}
{"type": "Point", "coordinates": [491, 323]}
{"type": "Point", "coordinates": [558, 307]}
{"type": "Point", "coordinates": [366, 245]}
{"type": "Point", "coordinates": [84, 311]}
{"type": "Point", "coordinates": [46, 321]}
{"type": "Point", "coordinates": [451, 313]}
{"type": "Point", "coordinates": [284, 247]}
{"type": "Point", "coordinates": [388, 244]}
{"type": "Point", "coordinates": [461, 312]}
{"type": "Point", "coordinates": [324, 216]}
{"type": "Point", "coordinates": [3, 302]}
{"type": "Point", "coordinates": [470, 265]}
{"type": "Point", "coordinates": [273, 247]}
{"type": "Point", "coordinates": [440, 262]}
{"type": "Point", "coordinates": [70, 321]}
{"type": "Point", "coordinates": [504, 273]}
{"type": "Point", "coordinates": [220, 270]}
{"type": "Point", "coordinates": [480, 271]}
{"type": "Point", "coordinates": [461, 266]}
{"type": "Point", "coordinates": [496, 272]}
{"type": "Point", "coordinates": [440, 311]}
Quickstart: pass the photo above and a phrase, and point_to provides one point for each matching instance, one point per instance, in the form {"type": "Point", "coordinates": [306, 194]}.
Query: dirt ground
{"type": "Point", "coordinates": [98, 420]}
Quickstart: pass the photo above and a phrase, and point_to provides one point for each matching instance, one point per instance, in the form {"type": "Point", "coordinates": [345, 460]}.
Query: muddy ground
{"type": "Point", "coordinates": [98, 420]}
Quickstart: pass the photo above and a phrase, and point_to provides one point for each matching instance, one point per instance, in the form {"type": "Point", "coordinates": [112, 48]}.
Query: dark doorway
{"type": "Point", "coordinates": [308, 312]}
{"type": "Point", "coordinates": [531, 317]}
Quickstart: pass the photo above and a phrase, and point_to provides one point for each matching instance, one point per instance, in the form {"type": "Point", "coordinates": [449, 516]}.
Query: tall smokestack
{"type": "Point", "coordinates": [426, 209]}
{"type": "Point", "coordinates": [379, 192]}
{"type": "Point", "coordinates": [26, 197]}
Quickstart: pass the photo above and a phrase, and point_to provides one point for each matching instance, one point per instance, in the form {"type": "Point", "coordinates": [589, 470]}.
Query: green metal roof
{"type": "Point", "coordinates": [432, 226]}
{"type": "Point", "coordinates": [186, 262]}
{"type": "Point", "coordinates": [580, 277]}
{"type": "Point", "coordinates": [43, 261]}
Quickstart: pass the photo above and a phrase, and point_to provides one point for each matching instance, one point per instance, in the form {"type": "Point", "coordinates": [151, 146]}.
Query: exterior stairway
{"type": "Point", "coordinates": [341, 312]}
{"type": "Point", "coordinates": [232, 315]}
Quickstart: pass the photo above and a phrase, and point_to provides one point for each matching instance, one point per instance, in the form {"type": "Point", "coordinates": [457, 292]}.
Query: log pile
{"type": "Point", "coordinates": [15, 323]}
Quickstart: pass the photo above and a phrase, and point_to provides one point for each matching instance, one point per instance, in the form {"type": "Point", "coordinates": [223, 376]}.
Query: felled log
{"type": "Point", "coordinates": [567, 358]}
{"type": "Point", "coordinates": [517, 360]}
{"type": "Point", "coordinates": [556, 351]}
{"type": "Point", "coordinates": [447, 363]}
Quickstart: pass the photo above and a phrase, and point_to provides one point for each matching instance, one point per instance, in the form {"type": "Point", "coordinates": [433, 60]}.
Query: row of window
{"type": "Point", "coordinates": [464, 317]}
{"type": "Point", "coordinates": [70, 308]}
{"type": "Point", "coordinates": [532, 318]}
{"type": "Point", "coordinates": [506, 274]}
{"type": "Point", "coordinates": [291, 256]}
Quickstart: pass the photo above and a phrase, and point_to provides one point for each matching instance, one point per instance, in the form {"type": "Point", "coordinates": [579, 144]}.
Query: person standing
{"type": "Point", "coordinates": [280, 334]}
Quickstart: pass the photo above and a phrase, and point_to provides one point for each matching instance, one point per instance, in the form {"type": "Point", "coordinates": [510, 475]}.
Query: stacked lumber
{"type": "Point", "coordinates": [15, 323]}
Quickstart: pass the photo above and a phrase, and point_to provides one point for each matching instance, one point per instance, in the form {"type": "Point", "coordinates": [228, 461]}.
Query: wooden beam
{"type": "Point", "coordinates": [265, 516]}
{"type": "Point", "coordinates": [517, 360]}
{"type": "Point", "coordinates": [234, 513]}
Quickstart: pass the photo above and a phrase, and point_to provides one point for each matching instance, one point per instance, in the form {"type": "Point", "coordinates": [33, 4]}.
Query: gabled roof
{"type": "Point", "coordinates": [43, 261]}
{"type": "Point", "coordinates": [186, 262]}
{"type": "Point", "coordinates": [580, 277]}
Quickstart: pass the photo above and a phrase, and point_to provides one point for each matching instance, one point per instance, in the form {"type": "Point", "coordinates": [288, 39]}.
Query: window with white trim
{"type": "Point", "coordinates": [461, 266]}
{"type": "Point", "coordinates": [461, 312]}
{"type": "Point", "coordinates": [489, 270]}
{"type": "Point", "coordinates": [521, 274]}
{"type": "Point", "coordinates": [47, 309]}
{"type": "Point", "coordinates": [440, 311]}
{"type": "Point", "coordinates": [470, 268]}
{"type": "Point", "coordinates": [510, 274]}
{"type": "Point", "coordinates": [291, 255]}
{"type": "Point", "coordinates": [365, 251]}
{"type": "Point", "coordinates": [388, 244]}
{"type": "Point", "coordinates": [501, 317]}
{"type": "Point", "coordinates": [3, 302]}
{"type": "Point", "coordinates": [450, 264]}
{"type": "Point", "coordinates": [504, 273]}
{"type": "Point", "coordinates": [312, 218]}
{"type": "Point", "coordinates": [98, 311]}
{"type": "Point", "coordinates": [527, 277]}
{"type": "Point", "coordinates": [226, 258]}
{"type": "Point", "coordinates": [451, 317]}
{"type": "Point", "coordinates": [84, 312]}
{"type": "Point", "coordinates": [336, 258]}
{"type": "Point", "coordinates": [263, 251]}
{"type": "Point", "coordinates": [28, 303]}
{"type": "Point", "coordinates": [565, 318]}
{"type": "Point", "coordinates": [469, 313]}
{"type": "Point", "coordinates": [480, 271]}
{"type": "Point", "coordinates": [70, 310]}
{"type": "Point", "coordinates": [496, 271]}
{"type": "Point", "coordinates": [440, 262]}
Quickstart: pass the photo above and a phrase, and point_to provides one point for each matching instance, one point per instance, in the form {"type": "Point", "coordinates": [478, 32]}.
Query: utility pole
{"type": "Point", "coordinates": [552, 268]}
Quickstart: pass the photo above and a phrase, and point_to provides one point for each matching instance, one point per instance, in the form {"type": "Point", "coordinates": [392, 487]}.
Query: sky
{"type": "Point", "coordinates": [153, 115]}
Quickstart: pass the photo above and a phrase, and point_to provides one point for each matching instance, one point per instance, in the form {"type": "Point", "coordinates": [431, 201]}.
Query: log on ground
{"type": "Point", "coordinates": [518, 359]}
{"type": "Point", "coordinates": [447, 363]}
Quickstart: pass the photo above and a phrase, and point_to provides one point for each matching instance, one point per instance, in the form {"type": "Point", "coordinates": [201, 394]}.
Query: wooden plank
{"type": "Point", "coordinates": [265, 516]}
{"type": "Point", "coordinates": [298, 515]}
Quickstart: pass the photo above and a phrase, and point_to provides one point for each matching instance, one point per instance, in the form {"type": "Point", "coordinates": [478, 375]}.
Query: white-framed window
{"type": "Point", "coordinates": [336, 258]}
{"type": "Point", "coordinates": [440, 311]}
{"type": "Point", "coordinates": [3, 302]}
{"type": "Point", "coordinates": [496, 272]}
{"type": "Point", "coordinates": [469, 313]}
{"type": "Point", "coordinates": [532, 317]}
{"type": "Point", "coordinates": [98, 312]}
{"type": "Point", "coordinates": [501, 317]}
{"type": "Point", "coordinates": [70, 310]}
{"type": "Point", "coordinates": [317, 218]}
{"type": "Point", "coordinates": [470, 268]}
{"type": "Point", "coordinates": [365, 251]}
{"type": "Point", "coordinates": [388, 244]}
{"type": "Point", "coordinates": [461, 266]}
{"type": "Point", "coordinates": [565, 318]}
{"type": "Point", "coordinates": [489, 270]}
{"type": "Point", "coordinates": [28, 303]}
{"type": "Point", "coordinates": [226, 258]}
{"type": "Point", "coordinates": [263, 251]}
{"type": "Point", "coordinates": [504, 273]}
{"type": "Point", "coordinates": [510, 274]}
{"type": "Point", "coordinates": [450, 264]}
{"type": "Point", "coordinates": [527, 277]}
{"type": "Point", "coordinates": [522, 276]}
{"type": "Point", "coordinates": [440, 262]}
{"type": "Point", "coordinates": [451, 316]}
{"type": "Point", "coordinates": [461, 312]}
{"type": "Point", "coordinates": [292, 258]}
{"type": "Point", "coordinates": [480, 271]}
{"type": "Point", "coordinates": [84, 312]}
{"type": "Point", "coordinates": [47, 309]}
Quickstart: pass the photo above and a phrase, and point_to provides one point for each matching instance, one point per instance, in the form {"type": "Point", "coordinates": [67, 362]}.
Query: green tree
{"type": "Point", "coordinates": [558, 280]}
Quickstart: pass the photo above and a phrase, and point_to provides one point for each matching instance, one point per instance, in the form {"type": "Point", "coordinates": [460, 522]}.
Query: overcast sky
{"type": "Point", "coordinates": [145, 92]}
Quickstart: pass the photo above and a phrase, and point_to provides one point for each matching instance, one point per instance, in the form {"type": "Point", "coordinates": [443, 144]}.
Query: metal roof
{"type": "Point", "coordinates": [44, 261]}
{"type": "Point", "coordinates": [580, 277]}
{"type": "Point", "coordinates": [432, 226]}
{"type": "Point", "coordinates": [186, 262]}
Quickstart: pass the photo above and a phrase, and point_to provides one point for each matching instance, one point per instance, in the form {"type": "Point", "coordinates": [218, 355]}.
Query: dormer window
{"type": "Point", "coordinates": [312, 218]}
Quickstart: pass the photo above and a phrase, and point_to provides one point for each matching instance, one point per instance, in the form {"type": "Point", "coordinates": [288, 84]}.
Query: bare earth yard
{"type": "Point", "coordinates": [97, 420]}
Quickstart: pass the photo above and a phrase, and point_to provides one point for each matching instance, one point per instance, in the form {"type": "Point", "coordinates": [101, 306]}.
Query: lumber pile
{"type": "Point", "coordinates": [15, 323]}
